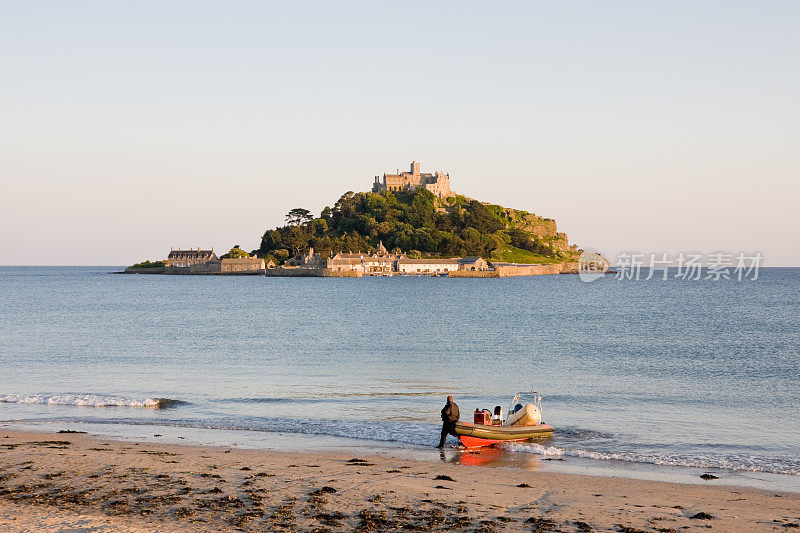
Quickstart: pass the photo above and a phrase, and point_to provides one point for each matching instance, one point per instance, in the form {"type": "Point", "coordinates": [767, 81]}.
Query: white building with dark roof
{"type": "Point", "coordinates": [427, 266]}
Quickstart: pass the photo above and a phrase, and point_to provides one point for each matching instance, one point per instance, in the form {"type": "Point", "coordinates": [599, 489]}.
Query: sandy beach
{"type": "Point", "coordinates": [77, 482]}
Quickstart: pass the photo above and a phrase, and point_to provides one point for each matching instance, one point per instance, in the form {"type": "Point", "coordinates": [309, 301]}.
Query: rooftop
{"type": "Point", "coordinates": [430, 261]}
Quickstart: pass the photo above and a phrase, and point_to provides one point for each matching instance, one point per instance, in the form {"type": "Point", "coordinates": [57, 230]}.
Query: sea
{"type": "Point", "coordinates": [652, 379]}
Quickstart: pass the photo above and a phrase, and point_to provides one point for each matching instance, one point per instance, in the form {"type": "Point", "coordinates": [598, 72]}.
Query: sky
{"type": "Point", "coordinates": [128, 128]}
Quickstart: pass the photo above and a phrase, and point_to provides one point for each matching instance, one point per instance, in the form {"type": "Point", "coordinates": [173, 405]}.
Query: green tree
{"type": "Point", "coordinates": [271, 240]}
{"type": "Point", "coordinates": [424, 240]}
{"type": "Point", "coordinates": [353, 242]}
{"type": "Point", "coordinates": [296, 239]}
{"type": "Point", "coordinates": [234, 253]}
{"type": "Point", "coordinates": [423, 208]}
{"type": "Point", "coordinates": [149, 264]}
{"type": "Point", "coordinates": [417, 222]}
{"type": "Point", "coordinates": [482, 219]}
{"type": "Point", "coordinates": [473, 243]}
{"type": "Point", "coordinates": [319, 226]}
{"type": "Point", "coordinates": [298, 216]}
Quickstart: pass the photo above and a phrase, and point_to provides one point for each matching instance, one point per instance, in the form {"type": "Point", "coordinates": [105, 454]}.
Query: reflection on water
{"type": "Point", "coordinates": [491, 456]}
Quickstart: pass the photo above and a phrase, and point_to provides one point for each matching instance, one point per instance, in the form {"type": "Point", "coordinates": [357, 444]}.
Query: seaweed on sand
{"type": "Point", "coordinates": [359, 462]}
{"type": "Point", "coordinates": [283, 516]}
{"type": "Point", "coordinates": [541, 524]}
{"type": "Point", "coordinates": [375, 521]}
{"type": "Point", "coordinates": [324, 490]}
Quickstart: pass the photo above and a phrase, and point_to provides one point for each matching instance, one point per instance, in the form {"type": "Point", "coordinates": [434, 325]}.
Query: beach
{"type": "Point", "coordinates": [69, 481]}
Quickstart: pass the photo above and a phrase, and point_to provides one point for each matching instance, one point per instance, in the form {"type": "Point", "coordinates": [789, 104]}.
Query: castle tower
{"type": "Point", "coordinates": [438, 183]}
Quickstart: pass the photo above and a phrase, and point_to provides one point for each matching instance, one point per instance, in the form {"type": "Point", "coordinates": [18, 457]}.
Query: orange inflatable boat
{"type": "Point", "coordinates": [523, 423]}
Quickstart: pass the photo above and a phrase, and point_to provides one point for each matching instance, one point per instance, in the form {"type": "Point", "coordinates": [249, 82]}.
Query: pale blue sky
{"type": "Point", "coordinates": [130, 127]}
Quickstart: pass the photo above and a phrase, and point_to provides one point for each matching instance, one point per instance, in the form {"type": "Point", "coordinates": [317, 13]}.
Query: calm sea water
{"type": "Point", "coordinates": [695, 374]}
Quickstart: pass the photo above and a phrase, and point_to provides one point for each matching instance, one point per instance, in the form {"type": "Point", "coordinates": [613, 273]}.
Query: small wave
{"type": "Point", "coordinates": [747, 463]}
{"type": "Point", "coordinates": [573, 434]}
{"type": "Point", "coordinates": [166, 403]}
{"type": "Point", "coordinates": [331, 399]}
{"type": "Point", "coordinates": [89, 400]}
{"type": "Point", "coordinates": [410, 433]}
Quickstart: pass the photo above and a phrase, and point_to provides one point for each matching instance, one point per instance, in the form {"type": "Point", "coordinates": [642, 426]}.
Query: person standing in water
{"type": "Point", "coordinates": [450, 416]}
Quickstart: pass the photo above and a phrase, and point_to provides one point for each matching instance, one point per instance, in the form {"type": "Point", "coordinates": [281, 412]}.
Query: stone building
{"type": "Point", "coordinates": [186, 258]}
{"type": "Point", "coordinates": [192, 262]}
{"type": "Point", "coordinates": [242, 265]}
{"type": "Point", "coordinates": [311, 260]}
{"type": "Point", "coordinates": [438, 183]}
{"type": "Point", "coordinates": [473, 264]}
{"type": "Point", "coordinates": [426, 266]}
{"type": "Point", "coordinates": [345, 263]}
{"type": "Point", "coordinates": [380, 262]}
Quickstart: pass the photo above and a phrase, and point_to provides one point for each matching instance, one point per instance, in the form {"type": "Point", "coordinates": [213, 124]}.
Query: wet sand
{"type": "Point", "coordinates": [54, 482]}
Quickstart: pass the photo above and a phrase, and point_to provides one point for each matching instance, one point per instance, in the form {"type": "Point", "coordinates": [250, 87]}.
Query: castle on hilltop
{"type": "Point", "coordinates": [438, 184]}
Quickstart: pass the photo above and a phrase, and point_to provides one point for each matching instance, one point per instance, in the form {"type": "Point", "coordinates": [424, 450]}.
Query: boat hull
{"type": "Point", "coordinates": [527, 416]}
{"type": "Point", "coordinates": [477, 435]}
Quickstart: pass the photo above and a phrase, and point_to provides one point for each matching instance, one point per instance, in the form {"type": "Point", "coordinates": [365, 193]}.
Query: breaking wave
{"type": "Point", "coordinates": [741, 462]}
{"type": "Point", "coordinates": [89, 400]}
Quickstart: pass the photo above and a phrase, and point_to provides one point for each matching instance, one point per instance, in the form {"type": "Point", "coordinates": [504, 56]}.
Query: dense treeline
{"type": "Point", "coordinates": [149, 264]}
{"type": "Point", "coordinates": [410, 222]}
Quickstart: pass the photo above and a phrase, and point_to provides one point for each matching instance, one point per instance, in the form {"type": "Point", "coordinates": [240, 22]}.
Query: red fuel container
{"type": "Point", "coordinates": [483, 416]}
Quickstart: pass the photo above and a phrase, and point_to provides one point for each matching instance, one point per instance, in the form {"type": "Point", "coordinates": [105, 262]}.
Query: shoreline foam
{"type": "Point", "coordinates": [419, 436]}
{"type": "Point", "coordinates": [89, 400]}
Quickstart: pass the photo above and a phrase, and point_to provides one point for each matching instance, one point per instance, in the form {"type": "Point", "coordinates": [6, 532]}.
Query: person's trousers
{"type": "Point", "coordinates": [447, 428]}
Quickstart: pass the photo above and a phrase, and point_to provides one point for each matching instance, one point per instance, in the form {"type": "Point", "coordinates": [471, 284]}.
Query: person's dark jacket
{"type": "Point", "coordinates": [450, 413]}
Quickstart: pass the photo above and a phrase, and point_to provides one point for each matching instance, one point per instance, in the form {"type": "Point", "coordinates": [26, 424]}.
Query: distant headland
{"type": "Point", "coordinates": [411, 223]}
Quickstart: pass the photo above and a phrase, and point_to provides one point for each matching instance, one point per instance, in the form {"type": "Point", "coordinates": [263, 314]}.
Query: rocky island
{"type": "Point", "coordinates": [411, 223]}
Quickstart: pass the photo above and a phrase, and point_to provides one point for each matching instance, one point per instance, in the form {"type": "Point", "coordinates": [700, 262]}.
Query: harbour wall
{"type": "Point", "coordinates": [511, 270]}
{"type": "Point", "coordinates": [312, 273]}
{"type": "Point", "coordinates": [131, 270]}
{"type": "Point", "coordinates": [500, 271]}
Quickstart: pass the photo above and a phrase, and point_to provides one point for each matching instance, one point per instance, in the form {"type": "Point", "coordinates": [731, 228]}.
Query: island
{"type": "Point", "coordinates": [410, 223]}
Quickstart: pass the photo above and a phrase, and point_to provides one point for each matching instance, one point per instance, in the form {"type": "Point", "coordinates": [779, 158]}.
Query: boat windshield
{"type": "Point", "coordinates": [524, 398]}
